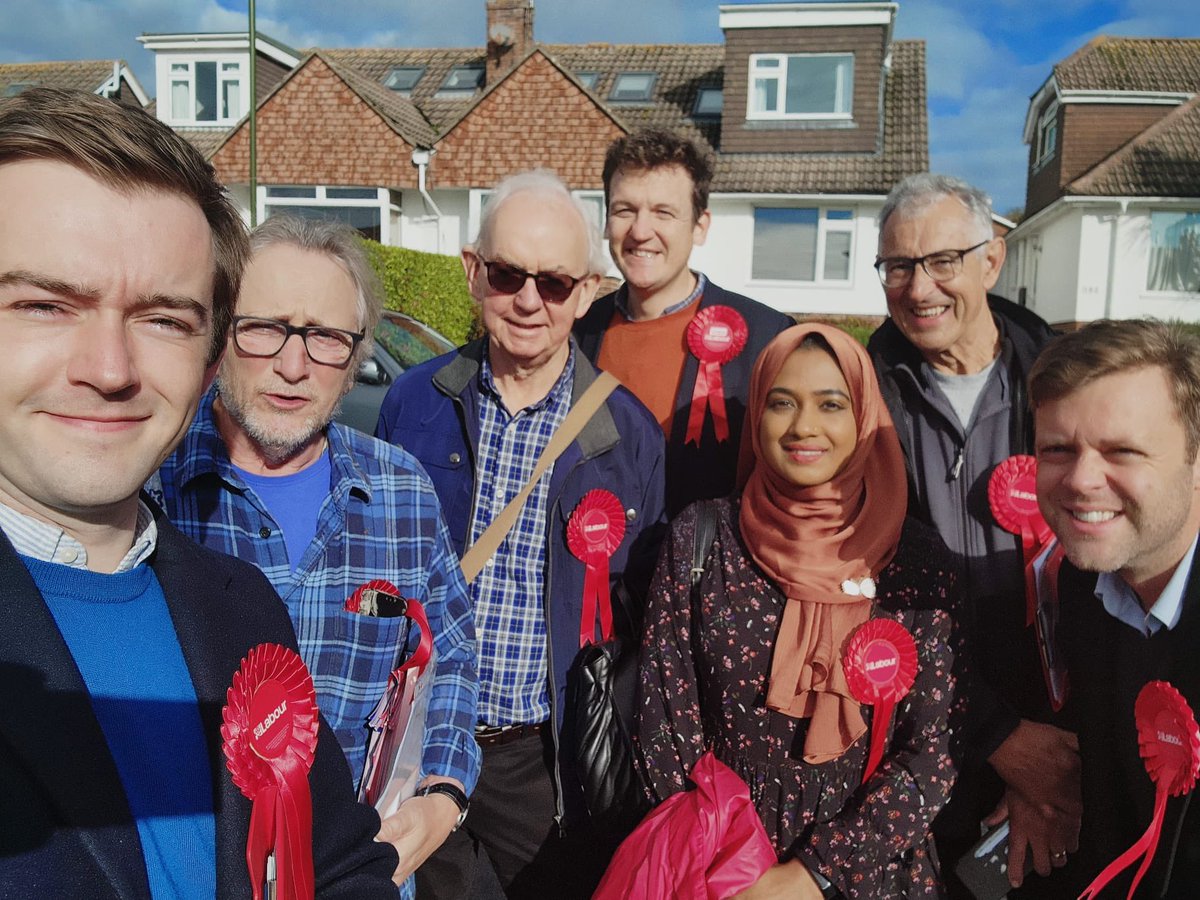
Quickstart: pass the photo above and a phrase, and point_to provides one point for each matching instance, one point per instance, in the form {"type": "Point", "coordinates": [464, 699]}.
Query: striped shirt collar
{"type": "Point", "coordinates": [621, 299]}
{"type": "Point", "coordinates": [49, 543]}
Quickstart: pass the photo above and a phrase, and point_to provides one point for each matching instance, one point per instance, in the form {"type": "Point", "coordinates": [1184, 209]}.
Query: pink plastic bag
{"type": "Point", "coordinates": [706, 842]}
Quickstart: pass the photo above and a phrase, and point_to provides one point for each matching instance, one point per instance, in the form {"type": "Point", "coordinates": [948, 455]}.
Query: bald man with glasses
{"type": "Point", "coordinates": [265, 474]}
{"type": "Point", "coordinates": [478, 419]}
{"type": "Point", "coordinates": [952, 361]}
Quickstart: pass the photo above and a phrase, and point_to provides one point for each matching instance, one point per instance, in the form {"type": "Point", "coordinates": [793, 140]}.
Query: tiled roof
{"type": "Point", "coordinates": [683, 69]}
{"type": "Point", "coordinates": [1132, 64]}
{"type": "Point", "coordinates": [1162, 161]}
{"type": "Point", "coordinates": [84, 75]}
{"type": "Point", "coordinates": [905, 149]}
{"type": "Point", "coordinates": [206, 140]}
{"type": "Point", "coordinates": [398, 111]}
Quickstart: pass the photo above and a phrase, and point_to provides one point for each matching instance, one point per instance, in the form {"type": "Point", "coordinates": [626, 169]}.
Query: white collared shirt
{"type": "Point", "coordinates": [1122, 603]}
{"type": "Point", "coordinates": [49, 543]}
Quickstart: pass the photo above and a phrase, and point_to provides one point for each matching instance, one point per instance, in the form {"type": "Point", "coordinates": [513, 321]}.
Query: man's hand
{"type": "Point", "coordinates": [418, 828]}
{"type": "Point", "coordinates": [1040, 767]}
{"type": "Point", "coordinates": [786, 881]}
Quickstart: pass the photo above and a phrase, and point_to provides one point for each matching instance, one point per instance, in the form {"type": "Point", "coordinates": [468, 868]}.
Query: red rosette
{"type": "Point", "coordinates": [1168, 737]}
{"type": "Point", "coordinates": [594, 532]}
{"type": "Point", "coordinates": [1169, 743]}
{"type": "Point", "coordinates": [715, 336]}
{"type": "Point", "coordinates": [1012, 496]}
{"type": "Point", "coordinates": [270, 739]}
{"type": "Point", "coordinates": [880, 664]}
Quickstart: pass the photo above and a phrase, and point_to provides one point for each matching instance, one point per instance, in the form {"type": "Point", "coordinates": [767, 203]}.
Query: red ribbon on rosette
{"type": "Point", "coordinates": [1169, 742]}
{"type": "Point", "coordinates": [270, 734]}
{"type": "Point", "coordinates": [1012, 495]}
{"type": "Point", "coordinates": [880, 662]}
{"type": "Point", "coordinates": [594, 533]}
{"type": "Point", "coordinates": [715, 336]}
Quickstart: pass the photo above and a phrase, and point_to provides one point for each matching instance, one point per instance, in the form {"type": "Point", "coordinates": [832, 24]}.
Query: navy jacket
{"type": "Point", "coordinates": [65, 825]}
{"type": "Point", "coordinates": [707, 470]}
{"type": "Point", "coordinates": [432, 411]}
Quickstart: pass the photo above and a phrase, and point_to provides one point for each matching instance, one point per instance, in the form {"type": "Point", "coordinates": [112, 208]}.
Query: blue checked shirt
{"type": "Point", "coordinates": [508, 595]}
{"type": "Point", "coordinates": [381, 519]}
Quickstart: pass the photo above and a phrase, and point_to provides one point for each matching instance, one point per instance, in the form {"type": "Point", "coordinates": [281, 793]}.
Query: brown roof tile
{"type": "Point", "coordinates": [1162, 161]}
{"type": "Point", "coordinates": [84, 75]}
{"type": "Point", "coordinates": [1132, 64]}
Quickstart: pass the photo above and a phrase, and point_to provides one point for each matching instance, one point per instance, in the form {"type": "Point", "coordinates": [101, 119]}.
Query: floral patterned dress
{"type": "Point", "coordinates": [703, 685]}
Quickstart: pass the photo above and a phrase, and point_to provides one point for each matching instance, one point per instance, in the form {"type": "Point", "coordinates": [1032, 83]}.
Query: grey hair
{"type": "Point", "coordinates": [342, 244]}
{"type": "Point", "coordinates": [917, 193]}
{"type": "Point", "coordinates": [546, 183]}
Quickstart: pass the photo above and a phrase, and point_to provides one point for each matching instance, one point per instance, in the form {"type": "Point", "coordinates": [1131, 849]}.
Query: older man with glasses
{"type": "Point", "coordinates": [952, 361]}
{"type": "Point", "coordinates": [478, 419]}
{"type": "Point", "coordinates": [265, 475]}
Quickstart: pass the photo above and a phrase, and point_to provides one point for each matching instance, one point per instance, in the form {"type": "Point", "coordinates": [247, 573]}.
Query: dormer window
{"type": "Point", "coordinates": [588, 79]}
{"type": "Point", "coordinates": [801, 86]}
{"type": "Point", "coordinates": [206, 92]}
{"type": "Point", "coordinates": [633, 87]}
{"type": "Point", "coordinates": [461, 80]}
{"type": "Point", "coordinates": [709, 102]}
{"type": "Point", "coordinates": [1047, 135]}
{"type": "Point", "coordinates": [403, 79]}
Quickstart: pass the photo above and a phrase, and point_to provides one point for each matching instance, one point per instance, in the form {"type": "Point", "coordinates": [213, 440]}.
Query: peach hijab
{"type": "Point", "coordinates": [810, 540]}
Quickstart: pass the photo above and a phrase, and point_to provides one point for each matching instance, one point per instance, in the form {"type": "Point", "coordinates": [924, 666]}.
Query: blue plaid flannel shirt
{"type": "Point", "coordinates": [508, 595]}
{"type": "Point", "coordinates": [382, 519]}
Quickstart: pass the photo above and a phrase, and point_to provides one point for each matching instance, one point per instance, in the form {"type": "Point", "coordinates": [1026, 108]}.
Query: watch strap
{"type": "Point", "coordinates": [454, 792]}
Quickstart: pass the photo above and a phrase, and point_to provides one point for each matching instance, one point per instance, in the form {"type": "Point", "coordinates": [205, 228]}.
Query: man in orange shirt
{"type": "Point", "coordinates": [682, 345]}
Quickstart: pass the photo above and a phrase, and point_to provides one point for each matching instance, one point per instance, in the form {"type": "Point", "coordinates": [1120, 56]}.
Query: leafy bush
{"type": "Point", "coordinates": [427, 286]}
{"type": "Point", "coordinates": [858, 327]}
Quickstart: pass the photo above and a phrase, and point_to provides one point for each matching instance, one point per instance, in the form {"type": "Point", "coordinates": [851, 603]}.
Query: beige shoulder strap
{"type": "Point", "coordinates": [581, 413]}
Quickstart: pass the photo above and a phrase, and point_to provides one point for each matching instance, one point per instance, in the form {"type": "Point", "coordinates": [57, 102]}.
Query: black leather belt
{"type": "Point", "coordinates": [506, 734]}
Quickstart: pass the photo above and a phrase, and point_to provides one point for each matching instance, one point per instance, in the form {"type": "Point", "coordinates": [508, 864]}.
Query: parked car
{"type": "Point", "coordinates": [401, 342]}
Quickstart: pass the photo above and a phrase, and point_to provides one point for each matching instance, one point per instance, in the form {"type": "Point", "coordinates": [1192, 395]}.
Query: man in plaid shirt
{"type": "Point", "coordinates": [265, 475]}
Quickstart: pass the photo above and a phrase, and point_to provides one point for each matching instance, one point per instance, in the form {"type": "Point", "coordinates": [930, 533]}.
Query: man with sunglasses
{"type": "Point", "coordinates": [478, 419]}
{"type": "Point", "coordinates": [646, 333]}
{"type": "Point", "coordinates": [952, 361]}
{"type": "Point", "coordinates": [264, 474]}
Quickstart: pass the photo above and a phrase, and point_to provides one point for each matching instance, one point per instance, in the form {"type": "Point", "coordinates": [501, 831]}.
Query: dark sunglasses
{"type": "Point", "coordinates": [552, 287]}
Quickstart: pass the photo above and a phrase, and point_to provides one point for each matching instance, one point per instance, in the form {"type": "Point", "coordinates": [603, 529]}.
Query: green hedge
{"type": "Point", "coordinates": [427, 286]}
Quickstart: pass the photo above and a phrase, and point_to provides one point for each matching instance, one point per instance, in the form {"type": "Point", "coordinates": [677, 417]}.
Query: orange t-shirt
{"type": "Point", "coordinates": [647, 357]}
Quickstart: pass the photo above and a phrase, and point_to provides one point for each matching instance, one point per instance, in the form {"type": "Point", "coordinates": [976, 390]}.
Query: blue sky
{"type": "Point", "coordinates": [985, 58]}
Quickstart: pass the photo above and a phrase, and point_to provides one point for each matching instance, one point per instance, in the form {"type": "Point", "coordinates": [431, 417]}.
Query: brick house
{"type": "Point", "coordinates": [1112, 222]}
{"type": "Point", "coordinates": [813, 110]}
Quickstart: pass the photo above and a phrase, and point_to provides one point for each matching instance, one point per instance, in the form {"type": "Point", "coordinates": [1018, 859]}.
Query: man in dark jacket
{"type": "Point", "coordinates": [952, 362]}
{"type": "Point", "coordinates": [1117, 406]}
{"type": "Point", "coordinates": [478, 419]}
{"type": "Point", "coordinates": [120, 258]}
{"type": "Point", "coordinates": [650, 331]}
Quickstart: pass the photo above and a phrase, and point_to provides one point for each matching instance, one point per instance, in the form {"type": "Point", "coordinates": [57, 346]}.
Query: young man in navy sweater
{"type": "Point", "coordinates": [120, 257]}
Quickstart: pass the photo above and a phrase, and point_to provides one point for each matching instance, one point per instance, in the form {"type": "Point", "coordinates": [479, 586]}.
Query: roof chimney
{"type": "Point", "coordinates": [509, 35]}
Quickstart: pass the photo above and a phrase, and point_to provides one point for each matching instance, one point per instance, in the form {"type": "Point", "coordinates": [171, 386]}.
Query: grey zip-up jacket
{"type": "Point", "coordinates": [948, 470]}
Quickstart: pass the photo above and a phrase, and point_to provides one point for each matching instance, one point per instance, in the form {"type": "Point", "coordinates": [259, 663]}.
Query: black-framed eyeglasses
{"type": "Point", "coordinates": [897, 271]}
{"type": "Point", "coordinates": [266, 337]}
{"type": "Point", "coordinates": [553, 287]}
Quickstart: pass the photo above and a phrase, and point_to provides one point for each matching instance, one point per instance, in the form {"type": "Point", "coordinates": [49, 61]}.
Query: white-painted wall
{"type": "Point", "coordinates": [727, 255]}
{"type": "Point", "coordinates": [1090, 260]}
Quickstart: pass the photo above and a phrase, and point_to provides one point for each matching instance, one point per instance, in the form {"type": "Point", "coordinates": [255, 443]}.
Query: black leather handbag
{"type": "Point", "coordinates": [601, 698]}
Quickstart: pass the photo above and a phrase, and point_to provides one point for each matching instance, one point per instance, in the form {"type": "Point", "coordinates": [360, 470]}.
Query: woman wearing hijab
{"type": "Point", "coordinates": [748, 663]}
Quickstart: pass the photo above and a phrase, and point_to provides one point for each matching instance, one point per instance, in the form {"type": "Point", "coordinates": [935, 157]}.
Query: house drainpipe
{"type": "Point", "coordinates": [420, 159]}
{"type": "Point", "coordinates": [1112, 257]}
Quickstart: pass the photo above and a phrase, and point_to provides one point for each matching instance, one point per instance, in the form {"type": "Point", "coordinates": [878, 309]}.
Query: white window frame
{"type": "Point", "coordinates": [825, 226]}
{"type": "Point", "coordinates": [844, 91]}
{"type": "Point", "coordinates": [1047, 124]}
{"type": "Point", "coordinates": [1150, 254]}
{"type": "Point", "coordinates": [382, 201]}
{"type": "Point", "coordinates": [188, 78]}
